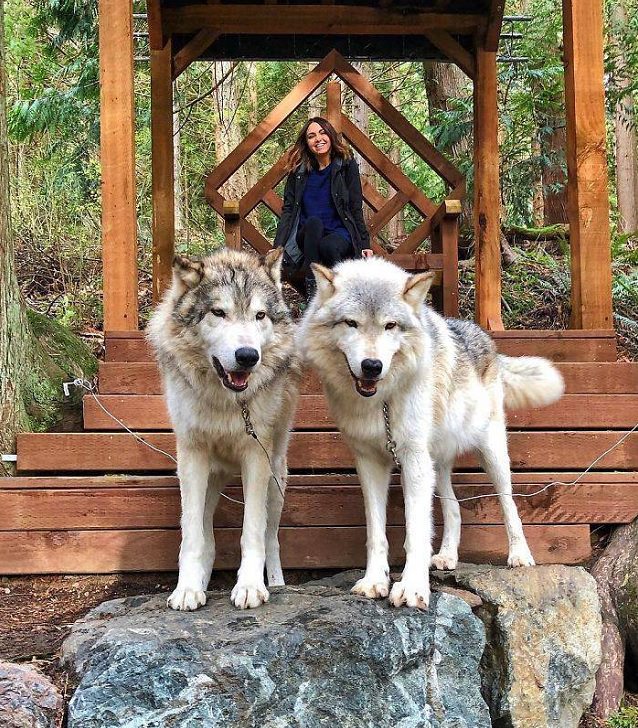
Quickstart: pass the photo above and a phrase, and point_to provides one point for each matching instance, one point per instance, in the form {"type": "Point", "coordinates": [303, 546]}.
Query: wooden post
{"type": "Point", "coordinates": [587, 194]}
{"type": "Point", "coordinates": [333, 104]}
{"type": "Point", "coordinates": [232, 224]}
{"type": "Point", "coordinates": [117, 151]}
{"type": "Point", "coordinates": [487, 219]}
{"type": "Point", "coordinates": [163, 168]}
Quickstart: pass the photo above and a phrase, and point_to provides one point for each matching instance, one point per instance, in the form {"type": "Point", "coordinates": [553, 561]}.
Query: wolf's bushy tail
{"type": "Point", "coordinates": [530, 381]}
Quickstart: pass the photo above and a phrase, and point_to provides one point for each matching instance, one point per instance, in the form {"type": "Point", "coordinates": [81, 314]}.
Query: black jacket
{"type": "Point", "coordinates": [345, 187]}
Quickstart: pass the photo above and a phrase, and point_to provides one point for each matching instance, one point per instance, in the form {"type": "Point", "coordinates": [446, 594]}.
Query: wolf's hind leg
{"type": "Point", "coordinates": [274, 573]}
{"type": "Point", "coordinates": [448, 556]}
{"type": "Point", "coordinates": [374, 476]}
{"type": "Point", "coordinates": [197, 549]}
{"type": "Point", "coordinates": [495, 461]}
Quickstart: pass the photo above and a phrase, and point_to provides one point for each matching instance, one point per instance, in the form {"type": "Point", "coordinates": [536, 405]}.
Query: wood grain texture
{"type": "Point", "coordinates": [321, 505]}
{"type": "Point", "coordinates": [587, 193]}
{"type": "Point", "coordinates": [96, 552]}
{"type": "Point", "coordinates": [117, 159]}
{"type": "Point", "coordinates": [120, 452]}
{"type": "Point", "coordinates": [142, 377]}
{"type": "Point", "coordinates": [163, 184]}
{"type": "Point", "coordinates": [487, 201]}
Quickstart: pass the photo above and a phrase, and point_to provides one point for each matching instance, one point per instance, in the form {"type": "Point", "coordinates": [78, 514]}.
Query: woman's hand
{"type": "Point", "coordinates": [367, 253]}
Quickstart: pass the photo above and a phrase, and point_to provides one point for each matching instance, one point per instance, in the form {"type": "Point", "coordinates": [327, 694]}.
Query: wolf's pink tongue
{"type": "Point", "coordinates": [238, 378]}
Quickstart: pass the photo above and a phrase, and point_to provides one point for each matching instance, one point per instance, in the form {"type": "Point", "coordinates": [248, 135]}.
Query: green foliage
{"type": "Point", "coordinates": [624, 718]}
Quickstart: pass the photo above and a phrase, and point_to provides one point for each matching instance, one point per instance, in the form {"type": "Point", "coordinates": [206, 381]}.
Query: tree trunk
{"type": "Point", "coordinates": [396, 226]}
{"type": "Point", "coordinates": [360, 118]}
{"type": "Point", "coordinates": [624, 122]}
{"type": "Point", "coordinates": [314, 102]}
{"type": "Point", "coordinates": [16, 340]}
{"type": "Point", "coordinates": [616, 574]}
{"type": "Point", "coordinates": [180, 222]}
{"type": "Point", "coordinates": [553, 171]}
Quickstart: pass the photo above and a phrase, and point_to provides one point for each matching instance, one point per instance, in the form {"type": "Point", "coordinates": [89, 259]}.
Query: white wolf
{"type": "Point", "coordinates": [372, 339]}
{"type": "Point", "coordinates": [224, 342]}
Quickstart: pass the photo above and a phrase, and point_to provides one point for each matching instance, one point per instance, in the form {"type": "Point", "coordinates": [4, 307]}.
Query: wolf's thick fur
{"type": "Point", "coordinates": [372, 339]}
{"type": "Point", "coordinates": [223, 339]}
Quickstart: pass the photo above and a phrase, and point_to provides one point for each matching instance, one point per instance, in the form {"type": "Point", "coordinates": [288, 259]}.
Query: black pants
{"type": "Point", "coordinates": [327, 249]}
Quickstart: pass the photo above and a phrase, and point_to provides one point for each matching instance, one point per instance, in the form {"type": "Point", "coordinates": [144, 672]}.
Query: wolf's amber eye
{"type": "Point", "coordinates": [220, 313]}
{"type": "Point", "coordinates": [352, 324]}
{"type": "Point", "coordinates": [260, 315]}
{"type": "Point", "coordinates": [390, 325]}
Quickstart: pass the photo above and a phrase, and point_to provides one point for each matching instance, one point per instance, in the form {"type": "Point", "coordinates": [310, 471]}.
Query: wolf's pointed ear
{"type": "Point", "coordinates": [325, 281]}
{"type": "Point", "coordinates": [417, 288]}
{"type": "Point", "coordinates": [273, 260]}
{"type": "Point", "coordinates": [187, 272]}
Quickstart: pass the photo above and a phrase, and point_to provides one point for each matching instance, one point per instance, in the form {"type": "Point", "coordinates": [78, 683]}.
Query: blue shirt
{"type": "Point", "coordinates": [317, 202]}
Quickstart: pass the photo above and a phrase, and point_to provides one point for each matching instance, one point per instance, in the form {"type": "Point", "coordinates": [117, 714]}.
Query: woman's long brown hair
{"type": "Point", "coordinates": [300, 154]}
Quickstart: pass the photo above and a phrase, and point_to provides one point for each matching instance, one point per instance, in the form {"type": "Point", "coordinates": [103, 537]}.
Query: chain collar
{"type": "Point", "coordinates": [250, 430]}
{"type": "Point", "coordinates": [390, 444]}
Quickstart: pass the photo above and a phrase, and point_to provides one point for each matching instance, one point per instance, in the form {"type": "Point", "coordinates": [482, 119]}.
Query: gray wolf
{"type": "Point", "coordinates": [372, 339]}
{"type": "Point", "coordinates": [223, 338]}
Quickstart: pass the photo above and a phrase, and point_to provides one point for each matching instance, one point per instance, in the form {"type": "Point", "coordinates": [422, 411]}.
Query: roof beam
{"type": "Point", "coordinates": [313, 20]}
{"type": "Point", "coordinates": [494, 25]}
{"type": "Point", "coordinates": [453, 50]}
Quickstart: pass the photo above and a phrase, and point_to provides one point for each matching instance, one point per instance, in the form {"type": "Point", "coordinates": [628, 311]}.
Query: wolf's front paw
{"type": "Point", "coordinates": [444, 561]}
{"type": "Point", "coordinates": [249, 596]}
{"type": "Point", "coordinates": [372, 588]}
{"type": "Point", "coordinates": [411, 592]}
{"type": "Point", "coordinates": [186, 600]}
{"type": "Point", "coordinates": [520, 555]}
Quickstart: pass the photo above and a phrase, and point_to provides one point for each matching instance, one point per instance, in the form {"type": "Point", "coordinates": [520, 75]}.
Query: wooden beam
{"type": "Point", "coordinates": [587, 194]}
{"type": "Point", "coordinates": [453, 50]}
{"type": "Point", "coordinates": [494, 25]}
{"type": "Point", "coordinates": [202, 40]}
{"type": "Point", "coordinates": [156, 39]}
{"type": "Point", "coordinates": [265, 128]}
{"type": "Point", "coordinates": [117, 154]}
{"type": "Point", "coordinates": [333, 104]}
{"type": "Point", "coordinates": [397, 122]}
{"type": "Point", "coordinates": [487, 228]}
{"type": "Point", "coordinates": [163, 186]}
{"type": "Point", "coordinates": [313, 20]}
{"type": "Point", "coordinates": [270, 180]}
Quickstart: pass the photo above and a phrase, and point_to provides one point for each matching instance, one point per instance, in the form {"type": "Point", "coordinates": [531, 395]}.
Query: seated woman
{"type": "Point", "coordinates": [322, 218]}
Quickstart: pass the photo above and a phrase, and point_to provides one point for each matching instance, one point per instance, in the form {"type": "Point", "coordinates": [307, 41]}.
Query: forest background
{"type": "Point", "coordinates": [53, 128]}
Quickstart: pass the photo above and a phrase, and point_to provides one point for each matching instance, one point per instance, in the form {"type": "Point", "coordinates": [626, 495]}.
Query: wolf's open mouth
{"type": "Point", "coordinates": [365, 387]}
{"type": "Point", "coordinates": [237, 381]}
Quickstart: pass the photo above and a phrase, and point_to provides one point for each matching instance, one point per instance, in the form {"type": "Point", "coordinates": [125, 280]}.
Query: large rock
{"type": "Point", "coordinates": [314, 656]}
{"type": "Point", "coordinates": [27, 698]}
{"type": "Point", "coordinates": [543, 642]}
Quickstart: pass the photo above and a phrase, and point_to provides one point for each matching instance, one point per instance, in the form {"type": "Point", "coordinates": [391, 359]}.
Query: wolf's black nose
{"type": "Point", "coordinates": [246, 356]}
{"type": "Point", "coordinates": [371, 367]}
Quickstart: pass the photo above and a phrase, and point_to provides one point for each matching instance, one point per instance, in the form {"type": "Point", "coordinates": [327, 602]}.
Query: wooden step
{"type": "Point", "coordinates": [573, 411]}
{"type": "Point", "coordinates": [327, 504]}
{"type": "Point", "coordinates": [569, 345]}
{"type": "Point", "coordinates": [121, 453]}
{"type": "Point", "coordinates": [98, 552]}
{"type": "Point", "coordinates": [580, 378]}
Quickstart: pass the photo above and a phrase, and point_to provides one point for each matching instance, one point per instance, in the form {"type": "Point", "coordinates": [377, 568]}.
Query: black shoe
{"type": "Point", "coordinates": [311, 286]}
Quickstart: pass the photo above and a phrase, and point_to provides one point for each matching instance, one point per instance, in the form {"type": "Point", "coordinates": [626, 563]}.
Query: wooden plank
{"type": "Point", "coordinates": [117, 159]}
{"type": "Point", "coordinates": [120, 452]}
{"type": "Point", "coordinates": [396, 121]}
{"type": "Point", "coordinates": [487, 202]}
{"type": "Point", "coordinates": [267, 126]}
{"type": "Point", "coordinates": [333, 104]}
{"type": "Point", "coordinates": [386, 168]}
{"type": "Point", "coordinates": [313, 20]}
{"type": "Point", "coordinates": [98, 552]}
{"type": "Point", "coordinates": [494, 25]}
{"type": "Point", "coordinates": [156, 39]}
{"type": "Point", "coordinates": [452, 49]}
{"type": "Point", "coordinates": [573, 411]}
{"type": "Point", "coordinates": [270, 180]}
{"type": "Point", "coordinates": [163, 185]}
{"type": "Point", "coordinates": [89, 482]}
{"type": "Point", "coordinates": [587, 193]}
{"type": "Point", "coordinates": [326, 505]}
{"type": "Point", "coordinates": [383, 216]}
{"type": "Point", "coordinates": [556, 345]}
{"type": "Point", "coordinates": [450, 245]}
{"type": "Point", "coordinates": [200, 42]}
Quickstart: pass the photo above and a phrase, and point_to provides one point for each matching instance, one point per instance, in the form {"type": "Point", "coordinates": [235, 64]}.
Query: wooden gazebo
{"type": "Point", "coordinates": [101, 500]}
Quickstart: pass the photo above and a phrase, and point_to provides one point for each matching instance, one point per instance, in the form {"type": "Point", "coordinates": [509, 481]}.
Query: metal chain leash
{"type": "Point", "coordinates": [250, 430]}
{"type": "Point", "coordinates": [390, 444]}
